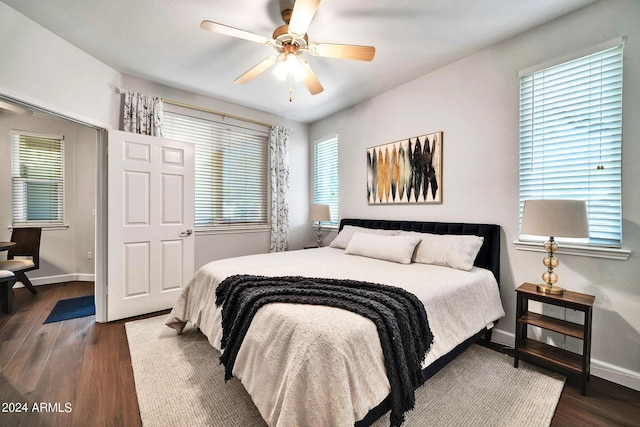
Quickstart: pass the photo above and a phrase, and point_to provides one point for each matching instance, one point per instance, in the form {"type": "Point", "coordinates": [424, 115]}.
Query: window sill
{"type": "Point", "coordinates": [586, 251]}
{"type": "Point", "coordinates": [232, 230]}
{"type": "Point", "coordinates": [45, 227]}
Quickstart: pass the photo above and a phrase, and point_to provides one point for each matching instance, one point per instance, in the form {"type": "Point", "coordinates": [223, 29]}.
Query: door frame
{"type": "Point", "coordinates": [101, 218]}
{"type": "Point", "coordinates": [101, 229]}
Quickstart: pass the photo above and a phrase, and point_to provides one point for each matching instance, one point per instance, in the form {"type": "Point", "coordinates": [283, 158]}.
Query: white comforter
{"type": "Point", "coordinates": [323, 366]}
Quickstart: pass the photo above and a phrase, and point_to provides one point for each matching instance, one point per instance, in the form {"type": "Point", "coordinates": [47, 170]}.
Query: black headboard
{"type": "Point", "coordinates": [488, 257]}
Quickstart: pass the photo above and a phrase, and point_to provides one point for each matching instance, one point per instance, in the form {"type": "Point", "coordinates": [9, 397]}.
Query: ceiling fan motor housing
{"type": "Point", "coordinates": [285, 42]}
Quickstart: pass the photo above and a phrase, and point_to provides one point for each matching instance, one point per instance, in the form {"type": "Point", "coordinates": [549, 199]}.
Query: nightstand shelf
{"type": "Point", "coordinates": [552, 324]}
{"type": "Point", "coordinates": [546, 354]}
{"type": "Point", "coordinates": [550, 355]}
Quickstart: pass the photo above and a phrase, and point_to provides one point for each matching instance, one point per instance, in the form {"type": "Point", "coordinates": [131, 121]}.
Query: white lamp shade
{"type": "Point", "coordinates": [319, 213]}
{"type": "Point", "coordinates": [556, 218]}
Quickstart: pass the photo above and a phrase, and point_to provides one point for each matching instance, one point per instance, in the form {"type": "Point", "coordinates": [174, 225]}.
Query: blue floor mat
{"type": "Point", "coordinates": [72, 308]}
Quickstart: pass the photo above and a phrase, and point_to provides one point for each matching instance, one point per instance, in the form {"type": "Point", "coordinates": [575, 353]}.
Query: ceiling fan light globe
{"type": "Point", "coordinates": [293, 66]}
{"type": "Point", "coordinates": [291, 60]}
{"type": "Point", "coordinates": [280, 71]}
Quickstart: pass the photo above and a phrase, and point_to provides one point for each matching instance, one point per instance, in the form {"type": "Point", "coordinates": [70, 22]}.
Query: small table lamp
{"type": "Point", "coordinates": [554, 218]}
{"type": "Point", "coordinates": [319, 213]}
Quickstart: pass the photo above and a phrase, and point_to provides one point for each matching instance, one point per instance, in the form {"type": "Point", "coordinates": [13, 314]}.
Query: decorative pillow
{"type": "Point", "coordinates": [342, 239]}
{"type": "Point", "coordinates": [450, 250]}
{"type": "Point", "coordinates": [389, 248]}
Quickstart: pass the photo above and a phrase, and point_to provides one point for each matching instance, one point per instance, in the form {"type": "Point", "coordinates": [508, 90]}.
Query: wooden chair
{"type": "Point", "coordinates": [27, 245]}
{"type": "Point", "coordinates": [7, 280]}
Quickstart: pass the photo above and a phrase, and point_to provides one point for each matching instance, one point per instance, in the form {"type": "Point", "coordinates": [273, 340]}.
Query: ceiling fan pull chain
{"type": "Point", "coordinates": [290, 90]}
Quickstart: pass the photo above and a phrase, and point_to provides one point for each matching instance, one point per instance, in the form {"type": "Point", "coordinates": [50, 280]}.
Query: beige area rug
{"type": "Point", "coordinates": [179, 382]}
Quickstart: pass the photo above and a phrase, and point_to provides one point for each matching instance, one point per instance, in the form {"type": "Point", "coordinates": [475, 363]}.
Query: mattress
{"type": "Point", "coordinates": [323, 366]}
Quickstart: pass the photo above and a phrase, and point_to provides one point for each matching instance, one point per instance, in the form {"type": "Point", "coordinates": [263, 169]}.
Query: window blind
{"type": "Point", "coordinates": [37, 175]}
{"type": "Point", "coordinates": [230, 170]}
{"type": "Point", "coordinates": [571, 138]}
{"type": "Point", "coordinates": [325, 175]}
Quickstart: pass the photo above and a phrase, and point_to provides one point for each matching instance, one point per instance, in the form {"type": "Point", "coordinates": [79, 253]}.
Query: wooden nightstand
{"type": "Point", "coordinates": [545, 354]}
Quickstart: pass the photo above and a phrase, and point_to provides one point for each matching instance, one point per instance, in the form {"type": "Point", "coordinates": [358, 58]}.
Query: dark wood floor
{"type": "Point", "coordinates": [78, 372]}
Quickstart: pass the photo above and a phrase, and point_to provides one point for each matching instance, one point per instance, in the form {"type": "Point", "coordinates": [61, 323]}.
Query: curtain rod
{"type": "Point", "coordinates": [218, 113]}
{"type": "Point", "coordinates": [121, 90]}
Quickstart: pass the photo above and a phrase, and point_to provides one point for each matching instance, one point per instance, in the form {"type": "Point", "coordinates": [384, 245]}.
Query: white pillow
{"type": "Point", "coordinates": [342, 239]}
{"type": "Point", "coordinates": [450, 250]}
{"type": "Point", "coordinates": [389, 248]}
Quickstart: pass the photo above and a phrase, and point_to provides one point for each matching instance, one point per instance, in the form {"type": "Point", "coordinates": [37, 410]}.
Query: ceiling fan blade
{"type": "Point", "coordinates": [303, 12]}
{"type": "Point", "coordinates": [234, 32]}
{"type": "Point", "coordinates": [360, 53]}
{"type": "Point", "coordinates": [310, 79]}
{"type": "Point", "coordinates": [255, 71]}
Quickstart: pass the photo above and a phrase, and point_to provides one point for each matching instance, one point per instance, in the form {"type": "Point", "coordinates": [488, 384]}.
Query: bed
{"type": "Point", "coordinates": [324, 366]}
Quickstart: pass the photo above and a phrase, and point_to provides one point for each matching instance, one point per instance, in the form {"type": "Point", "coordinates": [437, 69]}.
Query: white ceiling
{"type": "Point", "coordinates": [161, 41]}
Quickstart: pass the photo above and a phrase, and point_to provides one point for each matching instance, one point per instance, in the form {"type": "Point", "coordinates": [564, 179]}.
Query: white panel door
{"type": "Point", "coordinates": [150, 223]}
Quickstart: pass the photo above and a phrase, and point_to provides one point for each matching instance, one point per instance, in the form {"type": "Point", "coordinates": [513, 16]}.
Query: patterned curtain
{"type": "Point", "coordinates": [142, 114]}
{"type": "Point", "coordinates": [279, 151]}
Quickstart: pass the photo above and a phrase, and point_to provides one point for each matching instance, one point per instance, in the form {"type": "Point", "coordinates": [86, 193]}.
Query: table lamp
{"type": "Point", "coordinates": [554, 218]}
{"type": "Point", "coordinates": [317, 214]}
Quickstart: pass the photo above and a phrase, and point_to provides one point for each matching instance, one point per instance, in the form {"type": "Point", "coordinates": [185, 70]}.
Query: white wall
{"type": "Point", "coordinates": [39, 67]}
{"type": "Point", "coordinates": [63, 253]}
{"type": "Point", "coordinates": [85, 199]}
{"type": "Point", "coordinates": [475, 102]}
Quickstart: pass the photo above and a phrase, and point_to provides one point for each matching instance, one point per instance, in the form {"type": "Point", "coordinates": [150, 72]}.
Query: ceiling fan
{"type": "Point", "coordinates": [290, 41]}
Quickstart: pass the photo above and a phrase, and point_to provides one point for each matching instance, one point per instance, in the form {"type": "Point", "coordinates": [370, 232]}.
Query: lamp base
{"type": "Point", "coordinates": [319, 236]}
{"type": "Point", "coordinates": [553, 290]}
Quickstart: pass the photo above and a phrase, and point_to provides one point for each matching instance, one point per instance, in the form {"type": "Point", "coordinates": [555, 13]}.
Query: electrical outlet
{"type": "Point", "coordinates": [89, 255]}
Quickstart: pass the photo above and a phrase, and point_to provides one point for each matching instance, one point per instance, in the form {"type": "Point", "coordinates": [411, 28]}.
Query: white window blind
{"type": "Point", "coordinates": [325, 175]}
{"type": "Point", "coordinates": [37, 175]}
{"type": "Point", "coordinates": [231, 170]}
{"type": "Point", "coordinates": [571, 139]}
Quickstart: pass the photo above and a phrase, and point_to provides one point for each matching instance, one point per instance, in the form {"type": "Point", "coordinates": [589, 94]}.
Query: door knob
{"type": "Point", "coordinates": [186, 233]}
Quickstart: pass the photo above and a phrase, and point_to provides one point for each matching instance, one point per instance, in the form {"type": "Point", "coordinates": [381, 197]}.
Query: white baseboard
{"type": "Point", "coordinates": [48, 280]}
{"type": "Point", "coordinates": [600, 369]}
{"type": "Point", "coordinates": [502, 337]}
{"type": "Point", "coordinates": [615, 374]}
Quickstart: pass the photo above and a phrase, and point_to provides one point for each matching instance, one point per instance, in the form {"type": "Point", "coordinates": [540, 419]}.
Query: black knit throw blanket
{"type": "Point", "coordinates": [399, 316]}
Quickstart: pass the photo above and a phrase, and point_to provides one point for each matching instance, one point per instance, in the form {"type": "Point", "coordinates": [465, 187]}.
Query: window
{"type": "Point", "coordinates": [230, 173]}
{"type": "Point", "coordinates": [37, 175]}
{"type": "Point", "coordinates": [571, 138]}
{"type": "Point", "coordinates": [325, 175]}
